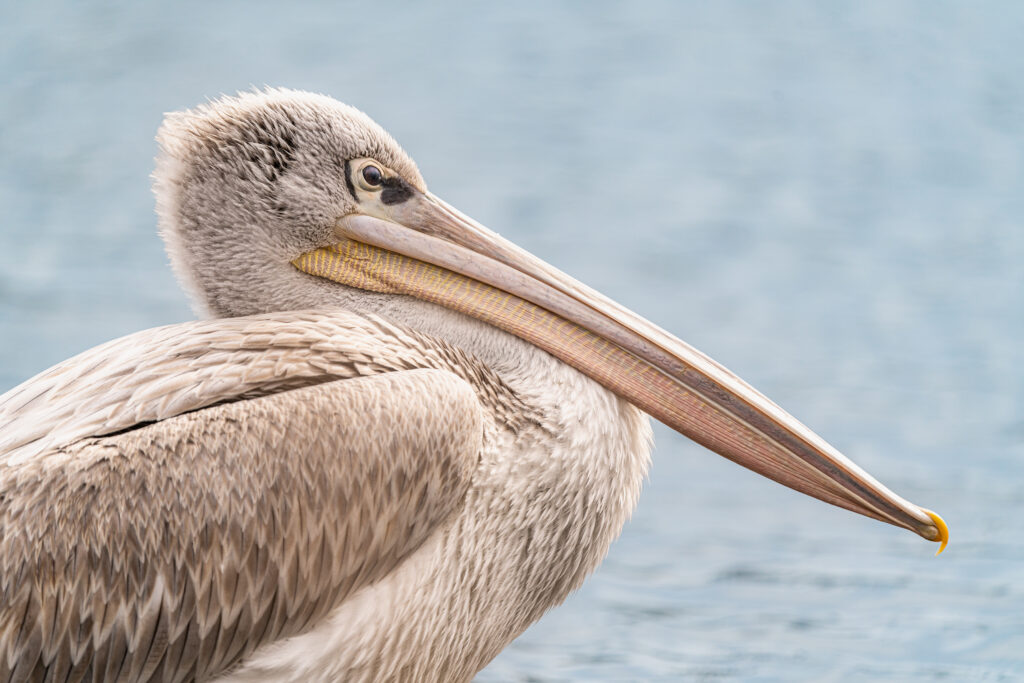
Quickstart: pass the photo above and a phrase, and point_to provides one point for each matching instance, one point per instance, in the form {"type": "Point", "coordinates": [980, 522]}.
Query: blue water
{"type": "Point", "coordinates": [828, 198]}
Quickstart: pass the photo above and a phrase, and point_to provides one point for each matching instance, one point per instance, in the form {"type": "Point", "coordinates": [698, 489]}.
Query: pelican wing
{"type": "Point", "coordinates": [166, 371]}
{"type": "Point", "coordinates": [169, 548]}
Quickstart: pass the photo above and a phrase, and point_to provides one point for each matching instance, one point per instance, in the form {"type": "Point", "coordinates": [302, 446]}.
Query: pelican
{"type": "Point", "coordinates": [393, 443]}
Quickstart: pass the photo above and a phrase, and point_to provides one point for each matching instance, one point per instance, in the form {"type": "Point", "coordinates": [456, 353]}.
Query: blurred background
{"type": "Point", "coordinates": [825, 197]}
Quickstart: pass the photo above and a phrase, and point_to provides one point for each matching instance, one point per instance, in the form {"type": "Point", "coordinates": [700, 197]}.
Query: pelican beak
{"type": "Point", "coordinates": [421, 246]}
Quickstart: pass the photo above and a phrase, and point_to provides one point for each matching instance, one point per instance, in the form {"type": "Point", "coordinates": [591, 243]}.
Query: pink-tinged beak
{"type": "Point", "coordinates": [423, 247]}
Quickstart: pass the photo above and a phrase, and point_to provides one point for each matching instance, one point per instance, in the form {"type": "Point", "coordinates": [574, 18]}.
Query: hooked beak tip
{"type": "Point", "coordinates": [942, 536]}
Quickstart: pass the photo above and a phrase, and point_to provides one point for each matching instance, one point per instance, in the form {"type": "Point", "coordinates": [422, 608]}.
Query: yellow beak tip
{"type": "Point", "coordinates": [940, 524]}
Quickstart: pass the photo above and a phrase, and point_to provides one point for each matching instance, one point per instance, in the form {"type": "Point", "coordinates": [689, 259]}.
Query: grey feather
{"type": "Point", "coordinates": [249, 522]}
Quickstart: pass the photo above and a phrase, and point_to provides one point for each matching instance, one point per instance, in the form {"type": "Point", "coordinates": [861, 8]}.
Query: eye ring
{"type": "Point", "coordinates": [371, 177]}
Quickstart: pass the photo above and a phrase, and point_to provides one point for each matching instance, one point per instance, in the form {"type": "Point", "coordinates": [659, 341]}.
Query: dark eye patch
{"type": "Point", "coordinates": [395, 191]}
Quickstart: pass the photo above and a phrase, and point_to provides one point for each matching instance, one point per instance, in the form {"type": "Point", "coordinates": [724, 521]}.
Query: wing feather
{"type": "Point", "coordinates": [166, 371]}
{"type": "Point", "coordinates": [170, 551]}
{"type": "Point", "coordinates": [172, 499]}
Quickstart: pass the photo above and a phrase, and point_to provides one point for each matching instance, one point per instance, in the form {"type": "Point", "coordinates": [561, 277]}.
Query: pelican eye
{"type": "Point", "coordinates": [372, 176]}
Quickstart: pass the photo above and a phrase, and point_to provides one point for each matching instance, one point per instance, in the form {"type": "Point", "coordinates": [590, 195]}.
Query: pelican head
{"type": "Point", "coordinates": [244, 185]}
{"type": "Point", "coordinates": [280, 199]}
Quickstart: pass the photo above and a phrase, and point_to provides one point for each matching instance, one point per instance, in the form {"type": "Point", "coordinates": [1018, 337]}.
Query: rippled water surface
{"type": "Point", "coordinates": [829, 201]}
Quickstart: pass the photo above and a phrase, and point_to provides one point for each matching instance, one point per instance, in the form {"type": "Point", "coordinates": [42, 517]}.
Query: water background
{"type": "Point", "coordinates": [825, 197]}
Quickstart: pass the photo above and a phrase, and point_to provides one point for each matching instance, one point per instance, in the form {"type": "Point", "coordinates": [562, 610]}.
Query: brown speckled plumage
{"type": "Point", "coordinates": [255, 516]}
